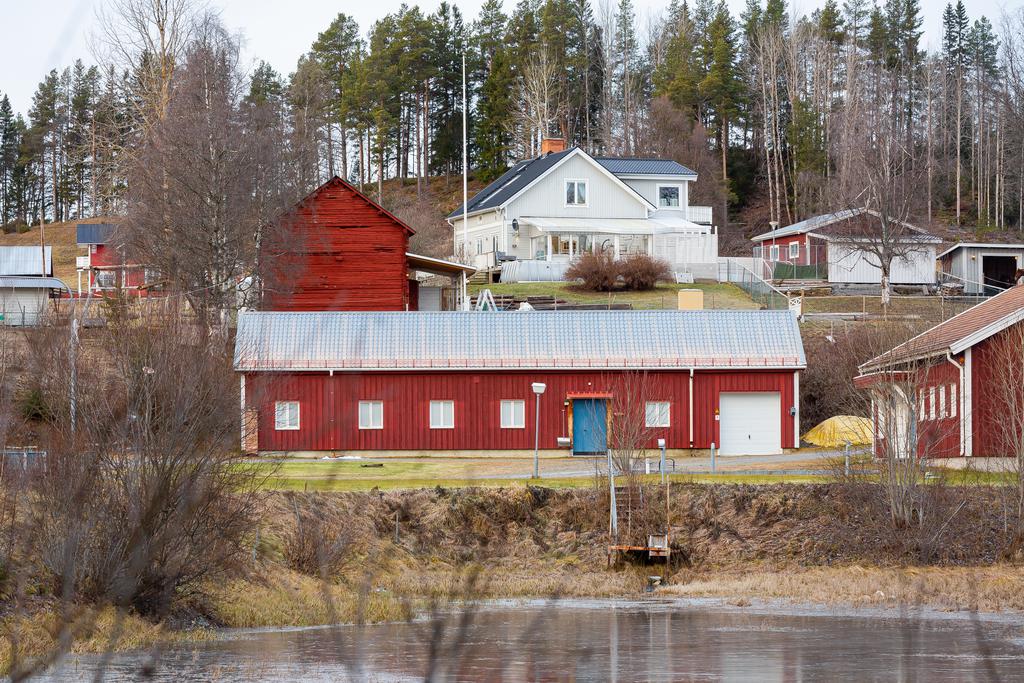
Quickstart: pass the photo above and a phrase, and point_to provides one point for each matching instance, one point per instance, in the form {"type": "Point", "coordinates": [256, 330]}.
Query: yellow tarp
{"type": "Point", "coordinates": [836, 431]}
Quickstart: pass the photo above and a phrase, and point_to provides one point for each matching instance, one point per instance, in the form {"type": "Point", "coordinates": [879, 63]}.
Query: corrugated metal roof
{"type": "Point", "coordinates": [992, 315]}
{"type": "Point", "coordinates": [93, 233]}
{"type": "Point", "coordinates": [517, 340]}
{"type": "Point", "coordinates": [839, 226]}
{"type": "Point", "coordinates": [640, 166]}
{"type": "Point", "coordinates": [28, 282]}
{"type": "Point", "coordinates": [25, 260]}
{"type": "Point", "coordinates": [1016, 246]}
{"type": "Point", "coordinates": [808, 224]}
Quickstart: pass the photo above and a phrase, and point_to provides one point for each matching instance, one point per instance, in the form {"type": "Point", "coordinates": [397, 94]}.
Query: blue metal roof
{"type": "Point", "coordinates": [615, 340]}
{"type": "Point", "coordinates": [25, 260]}
{"type": "Point", "coordinates": [641, 166]}
{"type": "Point", "coordinates": [94, 233]}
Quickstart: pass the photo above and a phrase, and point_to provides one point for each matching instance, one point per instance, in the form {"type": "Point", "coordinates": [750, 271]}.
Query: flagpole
{"type": "Point", "coordinates": [465, 183]}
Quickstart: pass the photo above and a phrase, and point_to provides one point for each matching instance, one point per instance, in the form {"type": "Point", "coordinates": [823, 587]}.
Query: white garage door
{"type": "Point", "coordinates": [750, 423]}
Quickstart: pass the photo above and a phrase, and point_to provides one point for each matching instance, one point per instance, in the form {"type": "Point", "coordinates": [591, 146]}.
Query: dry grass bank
{"type": "Point", "coordinates": [996, 588]}
{"type": "Point", "coordinates": [34, 637]}
{"type": "Point", "coordinates": [322, 558]}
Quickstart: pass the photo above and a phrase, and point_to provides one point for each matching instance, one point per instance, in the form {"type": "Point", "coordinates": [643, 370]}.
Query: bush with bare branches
{"type": "Point", "coordinates": [601, 272]}
{"type": "Point", "coordinates": [141, 498]}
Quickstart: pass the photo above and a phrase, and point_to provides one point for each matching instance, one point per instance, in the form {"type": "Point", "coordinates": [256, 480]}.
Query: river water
{"type": "Point", "coordinates": [596, 640]}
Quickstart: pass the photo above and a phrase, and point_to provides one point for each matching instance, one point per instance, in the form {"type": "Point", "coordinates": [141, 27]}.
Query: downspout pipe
{"type": "Point", "coordinates": [690, 406]}
{"type": "Point", "coordinates": [961, 399]}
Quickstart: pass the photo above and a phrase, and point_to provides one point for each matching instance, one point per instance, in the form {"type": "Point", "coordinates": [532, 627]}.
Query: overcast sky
{"type": "Point", "coordinates": [39, 35]}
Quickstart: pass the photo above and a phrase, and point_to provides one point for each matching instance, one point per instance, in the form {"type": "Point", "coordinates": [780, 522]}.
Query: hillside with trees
{"type": "Point", "coordinates": [782, 116]}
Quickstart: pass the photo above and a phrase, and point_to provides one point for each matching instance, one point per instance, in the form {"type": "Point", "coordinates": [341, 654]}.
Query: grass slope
{"type": "Point", "coordinates": [60, 236]}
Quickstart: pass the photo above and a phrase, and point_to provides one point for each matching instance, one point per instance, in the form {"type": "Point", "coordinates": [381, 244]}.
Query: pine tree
{"type": "Point", "coordinates": [8, 158]}
{"type": "Point", "coordinates": [493, 135]}
{"type": "Point", "coordinates": [336, 49]}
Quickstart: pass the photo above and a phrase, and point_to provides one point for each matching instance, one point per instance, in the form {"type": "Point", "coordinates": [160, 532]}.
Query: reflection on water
{"type": "Point", "coordinates": [598, 641]}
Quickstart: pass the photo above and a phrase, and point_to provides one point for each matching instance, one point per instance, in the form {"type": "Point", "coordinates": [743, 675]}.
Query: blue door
{"type": "Point", "coordinates": [589, 426]}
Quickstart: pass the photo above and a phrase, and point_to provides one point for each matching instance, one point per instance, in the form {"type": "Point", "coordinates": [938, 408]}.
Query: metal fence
{"type": "Point", "coordinates": [763, 294]}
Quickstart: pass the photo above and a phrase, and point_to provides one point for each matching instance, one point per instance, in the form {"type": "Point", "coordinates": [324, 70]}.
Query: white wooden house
{"type": "Point", "coordinates": [981, 268]}
{"type": "Point", "coordinates": [543, 212]}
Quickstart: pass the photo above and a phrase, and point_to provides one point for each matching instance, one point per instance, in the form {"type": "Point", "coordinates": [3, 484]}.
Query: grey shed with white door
{"type": "Point", "coordinates": [981, 268]}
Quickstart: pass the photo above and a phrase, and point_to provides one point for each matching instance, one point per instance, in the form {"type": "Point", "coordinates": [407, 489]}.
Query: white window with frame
{"type": "Point", "coordinates": [657, 414]}
{"type": "Point", "coordinates": [758, 250]}
{"type": "Point", "coordinates": [575, 192]}
{"type": "Point", "coordinates": [794, 250]}
{"type": "Point", "coordinates": [442, 414]}
{"type": "Point", "coordinates": [931, 403]}
{"type": "Point", "coordinates": [670, 196]}
{"type": "Point", "coordinates": [773, 253]}
{"type": "Point", "coordinates": [286, 415]}
{"type": "Point", "coordinates": [921, 411]}
{"type": "Point", "coordinates": [106, 279]}
{"type": "Point", "coordinates": [513, 414]}
{"type": "Point", "coordinates": [150, 275]}
{"type": "Point", "coordinates": [953, 400]}
{"type": "Point", "coordinates": [371, 414]}
{"type": "Point", "coordinates": [479, 246]}
{"type": "Point", "coordinates": [942, 402]}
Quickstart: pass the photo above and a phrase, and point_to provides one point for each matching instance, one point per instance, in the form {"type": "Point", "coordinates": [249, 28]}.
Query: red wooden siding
{"type": "Point", "coordinates": [338, 251]}
{"type": "Point", "coordinates": [329, 407]}
{"type": "Point", "coordinates": [939, 437]}
{"type": "Point", "coordinates": [988, 384]}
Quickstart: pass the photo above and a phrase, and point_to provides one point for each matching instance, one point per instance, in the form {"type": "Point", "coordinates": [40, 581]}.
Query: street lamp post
{"type": "Point", "coordinates": [538, 389]}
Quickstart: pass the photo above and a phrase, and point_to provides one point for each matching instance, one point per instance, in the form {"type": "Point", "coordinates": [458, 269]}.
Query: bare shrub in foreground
{"type": "Point", "coordinates": [641, 272]}
{"type": "Point", "coordinates": [597, 271]}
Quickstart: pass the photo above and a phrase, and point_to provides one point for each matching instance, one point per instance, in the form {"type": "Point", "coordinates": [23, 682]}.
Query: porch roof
{"type": "Point", "coordinates": [614, 226]}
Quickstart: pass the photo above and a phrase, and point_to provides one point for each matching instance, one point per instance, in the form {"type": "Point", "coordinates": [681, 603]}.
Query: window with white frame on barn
{"type": "Point", "coordinates": [442, 414]}
{"type": "Point", "coordinates": [931, 403]}
{"type": "Point", "coordinates": [953, 400]}
{"type": "Point", "coordinates": [773, 253]}
{"type": "Point", "coordinates": [942, 402]}
{"type": "Point", "coordinates": [286, 415]}
{"type": "Point", "coordinates": [106, 279]}
{"type": "Point", "coordinates": [575, 192]}
{"type": "Point", "coordinates": [794, 250]}
{"type": "Point", "coordinates": [921, 409]}
{"type": "Point", "coordinates": [669, 196]}
{"type": "Point", "coordinates": [513, 414]}
{"type": "Point", "coordinates": [656, 414]}
{"type": "Point", "coordinates": [757, 251]}
{"type": "Point", "coordinates": [371, 414]}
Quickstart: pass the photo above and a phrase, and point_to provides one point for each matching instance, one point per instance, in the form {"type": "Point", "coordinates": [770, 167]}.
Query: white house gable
{"type": "Point", "coordinates": [594, 193]}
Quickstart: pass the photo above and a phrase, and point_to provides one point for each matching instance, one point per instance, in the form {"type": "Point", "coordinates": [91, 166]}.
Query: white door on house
{"type": "Point", "coordinates": [750, 423]}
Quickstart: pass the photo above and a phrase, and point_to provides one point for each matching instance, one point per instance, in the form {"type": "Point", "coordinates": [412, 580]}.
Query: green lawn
{"type": "Point", "coordinates": [350, 475]}
{"type": "Point", "coordinates": [716, 295]}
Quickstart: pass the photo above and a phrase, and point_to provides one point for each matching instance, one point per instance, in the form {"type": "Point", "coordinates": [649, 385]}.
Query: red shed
{"type": "Point", "coordinates": [105, 267]}
{"type": "Point", "coordinates": [956, 390]}
{"type": "Point", "coordinates": [462, 382]}
{"type": "Point", "coordinates": [338, 250]}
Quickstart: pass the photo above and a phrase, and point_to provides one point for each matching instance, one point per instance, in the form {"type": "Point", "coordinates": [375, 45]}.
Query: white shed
{"type": "Point", "coordinates": [25, 300]}
{"type": "Point", "coordinates": [982, 268]}
{"type": "Point", "coordinates": [848, 264]}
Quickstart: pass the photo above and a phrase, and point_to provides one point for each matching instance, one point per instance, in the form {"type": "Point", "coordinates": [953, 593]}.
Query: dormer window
{"type": "Point", "coordinates": [575, 192]}
{"type": "Point", "coordinates": [669, 196]}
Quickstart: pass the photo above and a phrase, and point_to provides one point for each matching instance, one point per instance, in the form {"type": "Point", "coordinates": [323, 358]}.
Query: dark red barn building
{"type": "Point", "coordinates": [956, 390]}
{"type": "Point", "coordinates": [338, 250]}
{"type": "Point", "coordinates": [463, 381]}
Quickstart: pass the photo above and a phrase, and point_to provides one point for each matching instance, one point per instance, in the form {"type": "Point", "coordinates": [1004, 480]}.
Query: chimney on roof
{"type": "Point", "coordinates": [552, 146]}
